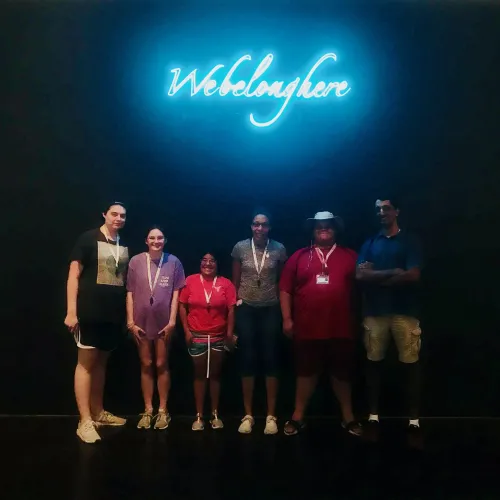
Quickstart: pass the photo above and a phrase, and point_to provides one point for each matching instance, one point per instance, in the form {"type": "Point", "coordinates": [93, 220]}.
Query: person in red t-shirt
{"type": "Point", "coordinates": [315, 295]}
{"type": "Point", "coordinates": [207, 313]}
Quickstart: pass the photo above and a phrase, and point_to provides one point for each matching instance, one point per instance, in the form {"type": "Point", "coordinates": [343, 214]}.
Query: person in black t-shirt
{"type": "Point", "coordinates": [96, 315]}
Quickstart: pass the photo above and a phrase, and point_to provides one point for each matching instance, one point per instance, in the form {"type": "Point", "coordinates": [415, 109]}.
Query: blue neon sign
{"type": "Point", "coordinates": [298, 88]}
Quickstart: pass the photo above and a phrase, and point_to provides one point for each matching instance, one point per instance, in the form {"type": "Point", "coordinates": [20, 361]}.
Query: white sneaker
{"type": "Point", "coordinates": [87, 433]}
{"type": "Point", "coordinates": [246, 424]}
{"type": "Point", "coordinates": [271, 426]}
{"type": "Point", "coordinates": [198, 424]}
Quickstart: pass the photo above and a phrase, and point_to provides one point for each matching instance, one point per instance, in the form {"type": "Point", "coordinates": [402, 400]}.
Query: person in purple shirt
{"type": "Point", "coordinates": [153, 283]}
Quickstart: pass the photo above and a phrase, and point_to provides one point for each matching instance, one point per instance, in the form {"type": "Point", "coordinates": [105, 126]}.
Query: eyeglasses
{"type": "Point", "coordinates": [208, 261]}
{"type": "Point", "coordinates": [260, 224]}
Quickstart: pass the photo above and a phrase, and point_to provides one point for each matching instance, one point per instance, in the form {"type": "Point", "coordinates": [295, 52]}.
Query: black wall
{"type": "Point", "coordinates": [71, 140]}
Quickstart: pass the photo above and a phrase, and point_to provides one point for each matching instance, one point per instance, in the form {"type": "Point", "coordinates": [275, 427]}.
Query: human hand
{"type": "Point", "coordinates": [137, 332]}
{"type": "Point", "coordinates": [167, 331]}
{"type": "Point", "coordinates": [189, 338]}
{"type": "Point", "coordinates": [365, 265]}
{"type": "Point", "coordinates": [230, 341]}
{"type": "Point", "coordinates": [288, 328]}
{"type": "Point", "coordinates": [71, 322]}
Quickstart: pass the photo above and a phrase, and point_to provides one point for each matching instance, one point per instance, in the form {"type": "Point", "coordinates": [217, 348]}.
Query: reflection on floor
{"type": "Point", "coordinates": [43, 458]}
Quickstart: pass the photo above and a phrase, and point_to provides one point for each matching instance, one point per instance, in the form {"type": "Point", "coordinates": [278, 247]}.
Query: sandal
{"type": "Point", "coordinates": [354, 428]}
{"type": "Point", "coordinates": [296, 425]}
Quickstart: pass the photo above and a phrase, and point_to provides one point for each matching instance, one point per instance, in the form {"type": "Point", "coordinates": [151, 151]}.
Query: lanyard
{"type": "Point", "coordinates": [152, 285]}
{"type": "Point", "coordinates": [322, 258]}
{"type": "Point", "coordinates": [108, 238]}
{"type": "Point", "coordinates": [257, 268]}
{"type": "Point", "coordinates": [208, 296]}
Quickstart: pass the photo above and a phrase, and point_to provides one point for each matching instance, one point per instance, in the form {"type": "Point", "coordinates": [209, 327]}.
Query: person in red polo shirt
{"type": "Point", "coordinates": [315, 294]}
{"type": "Point", "coordinates": [206, 310]}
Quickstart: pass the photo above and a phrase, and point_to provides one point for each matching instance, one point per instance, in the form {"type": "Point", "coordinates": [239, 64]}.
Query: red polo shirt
{"type": "Point", "coordinates": [321, 311]}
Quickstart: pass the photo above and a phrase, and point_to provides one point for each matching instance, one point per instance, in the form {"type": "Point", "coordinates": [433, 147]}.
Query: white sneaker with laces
{"type": "Point", "coordinates": [271, 425]}
{"type": "Point", "coordinates": [246, 425]}
{"type": "Point", "coordinates": [87, 433]}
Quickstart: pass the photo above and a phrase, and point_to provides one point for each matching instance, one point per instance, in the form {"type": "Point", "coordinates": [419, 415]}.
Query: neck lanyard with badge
{"type": "Point", "coordinates": [264, 255]}
{"type": "Point", "coordinates": [208, 296]}
{"type": "Point", "coordinates": [152, 285]}
{"type": "Point", "coordinates": [323, 278]}
{"type": "Point", "coordinates": [108, 239]}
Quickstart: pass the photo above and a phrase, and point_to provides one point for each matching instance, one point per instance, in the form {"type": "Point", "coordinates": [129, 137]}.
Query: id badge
{"type": "Point", "coordinates": [322, 279]}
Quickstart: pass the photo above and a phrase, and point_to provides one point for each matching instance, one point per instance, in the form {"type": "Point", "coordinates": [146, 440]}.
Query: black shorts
{"type": "Point", "coordinates": [259, 331]}
{"type": "Point", "coordinates": [102, 336]}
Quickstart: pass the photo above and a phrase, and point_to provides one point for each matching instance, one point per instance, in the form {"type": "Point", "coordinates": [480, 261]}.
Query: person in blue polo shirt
{"type": "Point", "coordinates": [389, 267]}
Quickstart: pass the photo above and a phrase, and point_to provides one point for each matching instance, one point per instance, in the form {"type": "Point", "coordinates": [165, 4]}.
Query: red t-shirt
{"type": "Point", "coordinates": [202, 319]}
{"type": "Point", "coordinates": [321, 311]}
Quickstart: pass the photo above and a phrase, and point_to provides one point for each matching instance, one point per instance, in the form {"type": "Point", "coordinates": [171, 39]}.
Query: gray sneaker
{"type": "Point", "coordinates": [162, 420]}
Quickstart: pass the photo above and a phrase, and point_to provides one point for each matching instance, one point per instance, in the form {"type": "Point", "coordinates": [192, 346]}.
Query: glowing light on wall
{"type": "Point", "coordinates": [298, 88]}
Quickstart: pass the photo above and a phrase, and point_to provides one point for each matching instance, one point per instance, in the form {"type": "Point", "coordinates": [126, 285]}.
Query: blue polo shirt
{"type": "Point", "coordinates": [403, 251]}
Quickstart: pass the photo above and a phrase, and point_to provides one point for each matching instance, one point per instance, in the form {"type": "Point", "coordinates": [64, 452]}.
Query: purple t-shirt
{"type": "Point", "coordinates": [154, 317]}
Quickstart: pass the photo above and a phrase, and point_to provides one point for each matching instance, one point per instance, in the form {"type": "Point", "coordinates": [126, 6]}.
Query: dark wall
{"type": "Point", "coordinates": [85, 121]}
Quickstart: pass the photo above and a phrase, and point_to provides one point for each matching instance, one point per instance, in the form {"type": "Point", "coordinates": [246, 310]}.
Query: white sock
{"type": "Point", "coordinates": [414, 422]}
{"type": "Point", "coordinates": [373, 418]}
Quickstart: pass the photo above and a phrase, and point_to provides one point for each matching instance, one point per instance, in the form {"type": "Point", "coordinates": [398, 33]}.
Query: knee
{"type": "Point", "coordinates": [271, 364]}
{"type": "Point", "coordinates": [161, 366]}
{"type": "Point", "coordinates": [410, 344]}
{"type": "Point", "coordinates": [146, 364]}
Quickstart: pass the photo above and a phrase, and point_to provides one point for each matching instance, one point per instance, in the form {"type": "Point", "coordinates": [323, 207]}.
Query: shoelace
{"type": "Point", "coordinates": [88, 425]}
{"type": "Point", "coordinates": [161, 416]}
{"type": "Point", "coordinates": [106, 416]}
{"type": "Point", "coordinates": [147, 415]}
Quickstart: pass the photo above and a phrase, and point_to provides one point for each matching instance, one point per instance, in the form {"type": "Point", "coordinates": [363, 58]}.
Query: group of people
{"type": "Point", "coordinates": [308, 297]}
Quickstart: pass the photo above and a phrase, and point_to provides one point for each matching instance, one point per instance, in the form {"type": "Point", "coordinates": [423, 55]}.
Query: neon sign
{"type": "Point", "coordinates": [278, 89]}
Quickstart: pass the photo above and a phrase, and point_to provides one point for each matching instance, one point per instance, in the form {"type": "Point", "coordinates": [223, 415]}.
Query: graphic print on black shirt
{"type": "Point", "coordinates": [101, 287]}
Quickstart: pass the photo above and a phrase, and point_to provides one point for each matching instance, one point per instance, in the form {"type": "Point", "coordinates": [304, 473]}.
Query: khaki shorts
{"type": "Point", "coordinates": [405, 330]}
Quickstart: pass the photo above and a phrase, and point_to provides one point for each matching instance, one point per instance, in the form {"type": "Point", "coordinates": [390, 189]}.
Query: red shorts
{"type": "Point", "coordinates": [337, 356]}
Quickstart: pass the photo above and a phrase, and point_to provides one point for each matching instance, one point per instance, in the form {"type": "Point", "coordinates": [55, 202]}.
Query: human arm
{"type": "Point", "coordinates": [364, 272]}
{"type": "Point", "coordinates": [131, 326]}
{"type": "Point", "coordinates": [236, 275]}
{"type": "Point", "coordinates": [71, 320]}
{"type": "Point", "coordinates": [413, 264]}
{"type": "Point", "coordinates": [364, 267]}
{"type": "Point", "coordinates": [183, 314]}
{"type": "Point", "coordinates": [174, 306]}
{"type": "Point", "coordinates": [286, 312]}
{"type": "Point", "coordinates": [287, 287]}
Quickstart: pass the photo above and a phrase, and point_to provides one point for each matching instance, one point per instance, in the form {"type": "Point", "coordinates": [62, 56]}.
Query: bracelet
{"type": "Point", "coordinates": [130, 325]}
